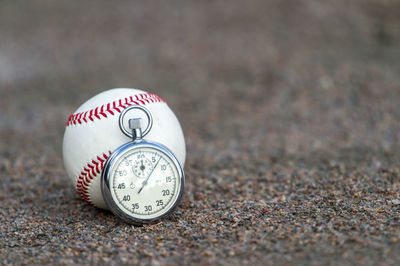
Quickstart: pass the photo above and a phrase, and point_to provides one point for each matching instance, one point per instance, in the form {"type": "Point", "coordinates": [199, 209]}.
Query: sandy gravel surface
{"type": "Point", "coordinates": [290, 111]}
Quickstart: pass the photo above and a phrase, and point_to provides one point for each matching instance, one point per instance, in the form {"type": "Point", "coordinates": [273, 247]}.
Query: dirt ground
{"type": "Point", "coordinates": [290, 111]}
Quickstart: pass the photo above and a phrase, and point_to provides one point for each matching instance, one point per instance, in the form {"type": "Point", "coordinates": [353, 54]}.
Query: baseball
{"type": "Point", "coordinates": [92, 133]}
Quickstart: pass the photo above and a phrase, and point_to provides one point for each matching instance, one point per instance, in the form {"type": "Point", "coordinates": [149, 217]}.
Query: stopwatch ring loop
{"type": "Point", "coordinates": [127, 132]}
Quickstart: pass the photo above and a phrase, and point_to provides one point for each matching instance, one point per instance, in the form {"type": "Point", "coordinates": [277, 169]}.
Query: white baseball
{"type": "Point", "coordinates": [92, 134]}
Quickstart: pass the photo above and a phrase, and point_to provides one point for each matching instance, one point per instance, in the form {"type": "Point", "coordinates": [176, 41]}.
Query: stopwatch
{"type": "Point", "coordinates": [142, 181]}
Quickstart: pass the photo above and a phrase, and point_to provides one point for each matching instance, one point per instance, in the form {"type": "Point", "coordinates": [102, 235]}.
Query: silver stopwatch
{"type": "Point", "coordinates": [142, 181]}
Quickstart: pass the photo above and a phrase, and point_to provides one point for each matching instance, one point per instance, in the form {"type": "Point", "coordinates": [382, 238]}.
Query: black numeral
{"type": "Point", "coordinates": [168, 179]}
{"type": "Point", "coordinates": [148, 208]}
{"type": "Point", "coordinates": [159, 202]}
{"type": "Point", "coordinates": [126, 198]}
{"type": "Point", "coordinates": [135, 206]}
{"type": "Point", "coordinates": [153, 159]}
{"type": "Point", "coordinates": [122, 173]}
{"type": "Point", "coordinates": [140, 156]}
{"type": "Point", "coordinates": [165, 192]}
{"type": "Point", "coordinates": [163, 167]}
{"type": "Point", "coordinates": [128, 162]}
{"type": "Point", "coordinates": [121, 186]}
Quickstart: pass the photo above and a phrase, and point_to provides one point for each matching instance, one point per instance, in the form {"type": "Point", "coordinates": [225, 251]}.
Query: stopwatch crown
{"type": "Point", "coordinates": [135, 124]}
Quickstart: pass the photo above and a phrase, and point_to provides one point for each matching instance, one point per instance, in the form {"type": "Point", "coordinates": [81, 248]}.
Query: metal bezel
{"type": "Point", "coordinates": [106, 175]}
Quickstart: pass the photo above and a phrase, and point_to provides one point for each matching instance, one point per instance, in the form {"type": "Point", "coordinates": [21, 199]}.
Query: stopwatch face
{"type": "Point", "coordinates": [143, 182]}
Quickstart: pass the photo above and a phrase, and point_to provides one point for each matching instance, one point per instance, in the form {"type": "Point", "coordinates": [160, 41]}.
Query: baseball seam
{"type": "Point", "coordinates": [112, 108]}
{"type": "Point", "coordinates": [89, 172]}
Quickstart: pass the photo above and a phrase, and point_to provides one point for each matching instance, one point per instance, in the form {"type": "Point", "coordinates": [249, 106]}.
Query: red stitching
{"type": "Point", "coordinates": [89, 171]}
{"type": "Point", "coordinates": [112, 108]}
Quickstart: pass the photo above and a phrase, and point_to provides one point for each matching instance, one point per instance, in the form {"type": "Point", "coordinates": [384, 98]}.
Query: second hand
{"type": "Point", "coordinates": [145, 182]}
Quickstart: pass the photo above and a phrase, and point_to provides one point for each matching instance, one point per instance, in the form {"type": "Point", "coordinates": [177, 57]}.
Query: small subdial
{"type": "Point", "coordinates": [142, 168]}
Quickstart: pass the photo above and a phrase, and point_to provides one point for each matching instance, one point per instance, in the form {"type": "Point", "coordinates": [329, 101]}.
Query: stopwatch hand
{"type": "Point", "coordinates": [145, 181]}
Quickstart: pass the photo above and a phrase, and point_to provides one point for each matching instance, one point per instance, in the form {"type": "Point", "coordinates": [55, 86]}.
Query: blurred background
{"type": "Point", "coordinates": [289, 75]}
{"type": "Point", "coordinates": [256, 84]}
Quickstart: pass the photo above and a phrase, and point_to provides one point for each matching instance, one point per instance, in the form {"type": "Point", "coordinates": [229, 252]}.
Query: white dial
{"type": "Point", "coordinates": [144, 183]}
